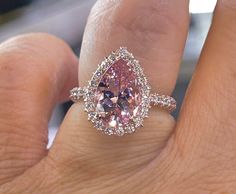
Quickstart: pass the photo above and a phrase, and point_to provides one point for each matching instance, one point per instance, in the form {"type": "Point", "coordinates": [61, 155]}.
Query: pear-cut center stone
{"type": "Point", "coordinates": [118, 95]}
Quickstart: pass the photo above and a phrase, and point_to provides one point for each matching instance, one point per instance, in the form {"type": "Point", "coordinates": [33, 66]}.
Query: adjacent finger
{"type": "Point", "coordinates": [36, 71]}
{"type": "Point", "coordinates": [206, 128]}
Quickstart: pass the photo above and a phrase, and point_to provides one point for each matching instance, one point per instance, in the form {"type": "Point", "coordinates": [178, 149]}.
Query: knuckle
{"type": "Point", "coordinates": [29, 58]}
{"type": "Point", "coordinates": [31, 44]}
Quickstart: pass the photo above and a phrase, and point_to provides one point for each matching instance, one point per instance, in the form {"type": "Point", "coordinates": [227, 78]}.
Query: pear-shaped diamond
{"type": "Point", "coordinates": [118, 96]}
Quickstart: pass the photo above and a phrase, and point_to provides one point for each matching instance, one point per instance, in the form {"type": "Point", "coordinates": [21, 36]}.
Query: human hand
{"type": "Point", "coordinates": [195, 155]}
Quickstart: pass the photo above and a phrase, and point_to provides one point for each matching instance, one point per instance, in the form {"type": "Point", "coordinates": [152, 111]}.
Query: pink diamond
{"type": "Point", "coordinates": [118, 96]}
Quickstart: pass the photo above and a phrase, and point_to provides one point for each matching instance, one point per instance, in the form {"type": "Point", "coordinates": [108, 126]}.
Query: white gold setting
{"type": "Point", "coordinates": [147, 99]}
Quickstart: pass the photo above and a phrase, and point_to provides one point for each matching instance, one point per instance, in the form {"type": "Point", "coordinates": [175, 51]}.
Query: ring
{"type": "Point", "coordinates": [118, 97]}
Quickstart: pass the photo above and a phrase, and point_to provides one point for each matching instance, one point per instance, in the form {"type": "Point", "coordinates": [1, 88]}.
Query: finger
{"type": "Point", "coordinates": [149, 30]}
{"type": "Point", "coordinates": [36, 71]}
{"type": "Point", "coordinates": [206, 127]}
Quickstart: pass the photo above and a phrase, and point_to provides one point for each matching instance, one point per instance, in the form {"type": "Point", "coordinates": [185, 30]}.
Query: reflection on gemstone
{"type": "Point", "coordinates": [118, 96]}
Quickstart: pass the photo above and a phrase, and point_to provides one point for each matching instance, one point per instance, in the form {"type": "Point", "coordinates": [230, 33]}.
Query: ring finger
{"type": "Point", "coordinates": [149, 30]}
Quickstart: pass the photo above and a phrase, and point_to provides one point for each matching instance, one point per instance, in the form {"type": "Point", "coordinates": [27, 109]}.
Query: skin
{"type": "Point", "coordinates": [196, 154]}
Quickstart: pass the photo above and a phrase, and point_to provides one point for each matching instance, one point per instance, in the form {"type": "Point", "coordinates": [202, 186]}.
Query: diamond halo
{"type": "Point", "coordinates": [118, 101]}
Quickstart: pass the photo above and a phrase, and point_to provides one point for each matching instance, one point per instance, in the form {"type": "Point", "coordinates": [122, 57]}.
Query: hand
{"type": "Point", "coordinates": [195, 155]}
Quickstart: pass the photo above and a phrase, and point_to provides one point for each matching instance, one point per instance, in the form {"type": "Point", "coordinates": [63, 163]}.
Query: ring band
{"type": "Point", "coordinates": [162, 101]}
{"type": "Point", "coordinates": [118, 98]}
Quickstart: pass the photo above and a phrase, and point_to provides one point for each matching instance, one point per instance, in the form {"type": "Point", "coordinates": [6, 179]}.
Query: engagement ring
{"type": "Point", "coordinates": [118, 97]}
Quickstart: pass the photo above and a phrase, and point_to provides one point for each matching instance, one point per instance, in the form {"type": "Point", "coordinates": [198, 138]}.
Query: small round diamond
{"type": "Point", "coordinates": [92, 116]}
{"type": "Point", "coordinates": [77, 93]}
{"type": "Point", "coordinates": [89, 107]}
{"type": "Point", "coordinates": [120, 131]}
{"type": "Point", "coordinates": [130, 129]}
{"type": "Point", "coordinates": [108, 131]}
